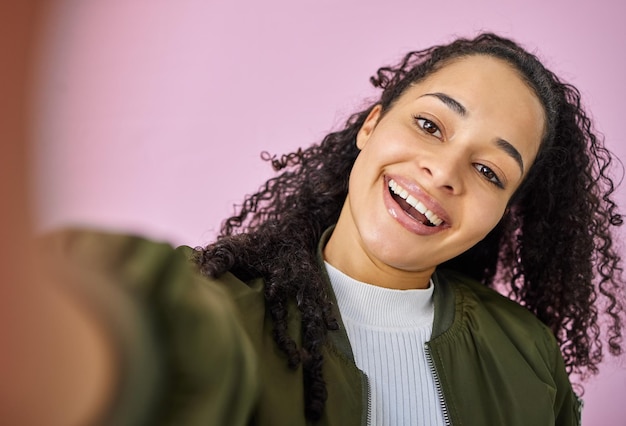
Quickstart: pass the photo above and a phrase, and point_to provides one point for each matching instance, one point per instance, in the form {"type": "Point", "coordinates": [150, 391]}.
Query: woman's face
{"type": "Point", "coordinates": [436, 171]}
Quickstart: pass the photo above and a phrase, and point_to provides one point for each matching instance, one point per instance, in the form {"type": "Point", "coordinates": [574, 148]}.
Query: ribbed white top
{"type": "Point", "coordinates": [388, 330]}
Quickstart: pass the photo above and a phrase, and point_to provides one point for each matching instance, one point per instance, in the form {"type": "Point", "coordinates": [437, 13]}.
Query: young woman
{"type": "Point", "coordinates": [361, 273]}
{"type": "Point", "coordinates": [354, 287]}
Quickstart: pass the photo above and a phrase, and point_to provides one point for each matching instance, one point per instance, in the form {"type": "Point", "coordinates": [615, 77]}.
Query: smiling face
{"type": "Point", "coordinates": [435, 172]}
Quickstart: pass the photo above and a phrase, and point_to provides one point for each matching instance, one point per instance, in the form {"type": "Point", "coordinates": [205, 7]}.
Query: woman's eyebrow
{"type": "Point", "coordinates": [512, 151]}
{"type": "Point", "coordinates": [452, 103]}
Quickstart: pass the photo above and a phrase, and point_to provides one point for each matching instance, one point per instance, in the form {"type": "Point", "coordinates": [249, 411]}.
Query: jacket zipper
{"type": "Point", "coordinates": [442, 401]}
{"type": "Point", "coordinates": [368, 411]}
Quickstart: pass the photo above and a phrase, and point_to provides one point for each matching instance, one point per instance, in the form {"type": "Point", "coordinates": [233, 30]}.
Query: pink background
{"type": "Point", "coordinates": [151, 115]}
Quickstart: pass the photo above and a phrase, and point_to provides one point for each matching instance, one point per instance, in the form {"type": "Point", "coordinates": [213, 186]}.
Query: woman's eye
{"type": "Point", "coordinates": [428, 126]}
{"type": "Point", "coordinates": [489, 175]}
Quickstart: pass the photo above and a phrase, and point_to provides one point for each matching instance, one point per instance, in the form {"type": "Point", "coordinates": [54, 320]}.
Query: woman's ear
{"type": "Point", "coordinates": [368, 126]}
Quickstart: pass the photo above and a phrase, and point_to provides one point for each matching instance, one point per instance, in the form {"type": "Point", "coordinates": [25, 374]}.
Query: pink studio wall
{"type": "Point", "coordinates": [151, 115]}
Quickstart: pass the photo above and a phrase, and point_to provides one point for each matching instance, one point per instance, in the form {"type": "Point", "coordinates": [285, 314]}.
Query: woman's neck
{"type": "Point", "coordinates": [346, 254]}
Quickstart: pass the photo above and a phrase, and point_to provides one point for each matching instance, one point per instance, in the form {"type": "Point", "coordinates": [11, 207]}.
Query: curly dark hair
{"type": "Point", "coordinates": [553, 251]}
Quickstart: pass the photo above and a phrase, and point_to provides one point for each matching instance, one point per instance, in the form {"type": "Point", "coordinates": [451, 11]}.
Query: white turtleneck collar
{"type": "Point", "coordinates": [375, 306]}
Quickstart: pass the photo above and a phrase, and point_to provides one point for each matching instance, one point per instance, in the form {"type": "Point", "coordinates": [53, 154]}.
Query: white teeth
{"type": "Point", "coordinates": [413, 202]}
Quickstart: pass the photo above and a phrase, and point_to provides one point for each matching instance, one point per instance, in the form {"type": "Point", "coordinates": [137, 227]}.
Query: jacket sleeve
{"type": "Point", "coordinates": [567, 405]}
{"type": "Point", "coordinates": [181, 355]}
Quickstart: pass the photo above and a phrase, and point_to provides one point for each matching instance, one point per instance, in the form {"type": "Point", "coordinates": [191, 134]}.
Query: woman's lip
{"type": "Point", "coordinates": [404, 219]}
{"type": "Point", "coordinates": [416, 191]}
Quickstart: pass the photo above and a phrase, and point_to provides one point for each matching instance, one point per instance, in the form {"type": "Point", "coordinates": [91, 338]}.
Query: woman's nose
{"type": "Point", "coordinates": [444, 171]}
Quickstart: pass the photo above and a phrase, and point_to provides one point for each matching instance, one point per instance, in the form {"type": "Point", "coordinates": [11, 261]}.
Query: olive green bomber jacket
{"type": "Point", "coordinates": [493, 361]}
{"type": "Point", "coordinates": [217, 363]}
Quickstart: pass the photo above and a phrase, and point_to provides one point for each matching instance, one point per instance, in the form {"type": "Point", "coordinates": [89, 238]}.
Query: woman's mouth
{"type": "Point", "coordinates": [412, 206]}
